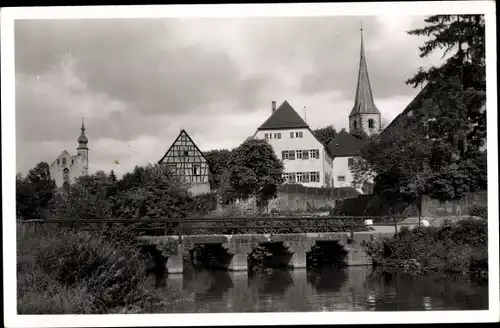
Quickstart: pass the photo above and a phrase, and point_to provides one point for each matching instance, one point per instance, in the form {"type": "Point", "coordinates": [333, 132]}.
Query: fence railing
{"type": "Point", "coordinates": [231, 225]}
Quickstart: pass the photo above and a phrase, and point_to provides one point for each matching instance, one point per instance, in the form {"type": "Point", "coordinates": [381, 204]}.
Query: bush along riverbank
{"type": "Point", "coordinates": [81, 273]}
{"type": "Point", "coordinates": [459, 248]}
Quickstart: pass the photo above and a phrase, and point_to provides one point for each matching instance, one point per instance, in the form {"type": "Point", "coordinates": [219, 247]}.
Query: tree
{"type": "Point", "coordinates": [326, 134]}
{"type": "Point", "coordinates": [217, 161]}
{"type": "Point", "coordinates": [436, 151]}
{"type": "Point", "coordinates": [462, 77]}
{"type": "Point", "coordinates": [34, 192]}
{"type": "Point", "coordinates": [255, 170]}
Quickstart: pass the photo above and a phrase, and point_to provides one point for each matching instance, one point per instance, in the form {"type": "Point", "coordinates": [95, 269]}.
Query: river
{"type": "Point", "coordinates": [326, 289]}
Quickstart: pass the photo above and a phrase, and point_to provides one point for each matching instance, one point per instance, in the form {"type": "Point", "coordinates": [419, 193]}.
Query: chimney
{"type": "Point", "coordinates": [273, 105]}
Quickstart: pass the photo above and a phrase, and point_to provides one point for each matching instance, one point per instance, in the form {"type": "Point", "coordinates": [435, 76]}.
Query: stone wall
{"type": "Point", "coordinates": [435, 208]}
{"type": "Point", "coordinates": [297, 198]}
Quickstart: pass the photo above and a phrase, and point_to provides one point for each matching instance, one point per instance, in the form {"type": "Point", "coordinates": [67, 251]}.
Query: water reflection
{"type": "Point", "coordinates": [328, 289]}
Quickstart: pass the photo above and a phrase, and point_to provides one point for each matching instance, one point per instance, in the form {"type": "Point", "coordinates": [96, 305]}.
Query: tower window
{"type": "Point", "coordinates": [371, 124]}
{"type": "Point", "coordinates": [355, 124]}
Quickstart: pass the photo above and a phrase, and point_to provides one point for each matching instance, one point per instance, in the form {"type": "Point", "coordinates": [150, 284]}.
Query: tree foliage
{"type": "Point", "coordinates": [34, 192]}
{"type": "Point", "coordinates": [436, 150]}
{"type": "Point", "coordinates": [326, 134]}
{"type": "Point", "coordinates": [254, 170]}
{"type": "Point", "coordinates": [218, 161]}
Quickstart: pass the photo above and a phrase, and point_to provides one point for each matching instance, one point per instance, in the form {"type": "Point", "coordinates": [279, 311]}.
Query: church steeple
{"type": "Point", "coordinates": [363, 103]}
{"type": "Point", "coordinates": [364, 115]}
{"type": "Point", "coordinates": [82, 139]}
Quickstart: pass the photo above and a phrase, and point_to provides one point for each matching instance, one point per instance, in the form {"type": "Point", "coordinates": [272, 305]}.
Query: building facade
{"type": "Point", "coordinates": [67, 168]}
{"type": "Point", "coordinates": [185, 160]}
{"type": "Point", "coordinates": [306, 160]}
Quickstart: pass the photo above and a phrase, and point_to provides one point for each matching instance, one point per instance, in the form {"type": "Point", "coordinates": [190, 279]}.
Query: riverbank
{"type": "Point", "coordinates": [460, 248]}
{"type": "Point", "coordinates": [62, 272]}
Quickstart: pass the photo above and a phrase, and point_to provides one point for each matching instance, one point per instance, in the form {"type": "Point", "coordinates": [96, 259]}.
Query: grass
{"type": "Point", "coordinates": [63, 272]}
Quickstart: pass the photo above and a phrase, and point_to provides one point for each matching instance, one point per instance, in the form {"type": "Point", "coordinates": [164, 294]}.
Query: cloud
{"type": "Point", "coordinates": [138, 82]}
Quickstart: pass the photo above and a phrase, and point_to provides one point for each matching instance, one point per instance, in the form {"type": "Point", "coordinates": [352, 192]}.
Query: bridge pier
{"type": "Point", "coordinates": [174, 255]}
{"type": "Point", "coordinates": [298, 250]}
{"type": "Point", "coordinates": [239, 256]}
{"type": "Point", "coordinates": [356, 255]}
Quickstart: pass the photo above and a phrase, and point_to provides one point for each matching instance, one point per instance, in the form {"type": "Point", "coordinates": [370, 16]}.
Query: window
{"type": "Point", "coordinates": [186, 153]}
{"type": "Point", "coordinates": [306, 177]}
{"type": "Point", "coordinates": [64, 161]}
{"type": "Point", "coordinates": [291, 155]}
{"type": "Point", "coordinates": [371, 123]}
{"type": "Point", "coordinates": [299, 154]}
{"type": "Point", "coordinates": [298, 134]}
{"type": "Point", "coordinates": [286, 177]}
{"type": "Point", "coordinates": [340, 178]}
{"type": "Point", "coordinates": [314, 177]}
{"type": "Point", "coordinates": [277, 136]}
{"type": "Point", "coordinates": [299, 176]}
{"type": "Point", "coordinates": [291, 177]}
{"type": "Point", "coordinates": [355, 124]}
{"type": "Point", "coordinates": [266, 136]}
{"type": "Point", "coordinates": [305, 154]}
{"type": "Point", "coordinates": [172, 168]}
{"type": "Point", "coordinates": [350, 161]}
{"type": "Point", "coordinates": [291, 135]}
{"type": "Point", "coordinates": [196, 170]}
{"type": "Point", "coordinates": [72, 161]}
{"type": "Point", "coordinates": [58, 162]}
{"type": "Point", "coordinates": [65, 174]}
{"type": "Point", "coordinates": [314, 153]}
{"type": "Point", "coordinates": [284, 154]}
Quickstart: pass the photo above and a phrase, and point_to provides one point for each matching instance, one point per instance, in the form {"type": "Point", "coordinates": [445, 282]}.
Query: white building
{"type": "Point", "coordinates": [67, 168]}
{"type": "Point", "coordinates": [306, 160]}
{"type": "Point", "coordinates": [365, 117]}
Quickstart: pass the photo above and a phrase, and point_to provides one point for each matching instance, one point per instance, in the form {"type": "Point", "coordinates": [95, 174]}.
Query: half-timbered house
{"type": "Point", "coordinates": [186, 161]}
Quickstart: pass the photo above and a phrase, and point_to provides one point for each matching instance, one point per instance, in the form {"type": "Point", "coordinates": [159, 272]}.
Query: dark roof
{"type": "Point", "coordinates": [284, 117]}
{"type": "Point", "coordinates": [344, 144]}
{"type": "Point", "coordinates": [363, 103]}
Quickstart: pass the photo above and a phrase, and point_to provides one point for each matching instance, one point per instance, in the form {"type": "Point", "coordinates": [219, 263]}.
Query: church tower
{"type": "Point", "coordinates": [364, 116]}
{"type": "Point", "coordinates": [83, 150]}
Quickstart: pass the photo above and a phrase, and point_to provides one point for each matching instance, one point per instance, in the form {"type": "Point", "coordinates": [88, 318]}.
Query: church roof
{"type": "Point", "coordinates": [284, 117]}
{"type": "Point", "coordinates": [344, 144]}
{"type": "Point", "coordinates": [363, 103]}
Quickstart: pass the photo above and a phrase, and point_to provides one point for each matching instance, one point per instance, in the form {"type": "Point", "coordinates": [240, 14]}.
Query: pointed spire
{"type": "Point", "coordinates": [363, 103]}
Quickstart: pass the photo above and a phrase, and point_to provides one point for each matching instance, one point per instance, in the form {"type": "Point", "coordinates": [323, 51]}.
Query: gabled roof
{"type": "Point", "coordinates": [363, 103]}
{"type": "Point", "coordinates": [284, 117]}
{"type": "Point", "coordinates": [344, 144]}
{"type": "Point", "coordinates": [183, 132]}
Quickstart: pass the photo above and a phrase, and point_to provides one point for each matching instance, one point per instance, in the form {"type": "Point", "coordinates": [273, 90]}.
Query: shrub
{"type": "Point", "coordinates": [480, 211]}
{"type": "Point", "coordinates": [460, 248]}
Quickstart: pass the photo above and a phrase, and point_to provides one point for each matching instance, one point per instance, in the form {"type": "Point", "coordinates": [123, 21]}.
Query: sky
{"type": "Point", "coordinates": [138, 82]}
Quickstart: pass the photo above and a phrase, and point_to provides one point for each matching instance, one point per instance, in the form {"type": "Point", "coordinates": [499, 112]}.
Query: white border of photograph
{"type": "Point", "coordinates": [8, 15]}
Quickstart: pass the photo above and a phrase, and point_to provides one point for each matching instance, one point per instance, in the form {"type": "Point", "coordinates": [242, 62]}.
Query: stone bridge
{"type": "Point", "coordinates": [238, 247]}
